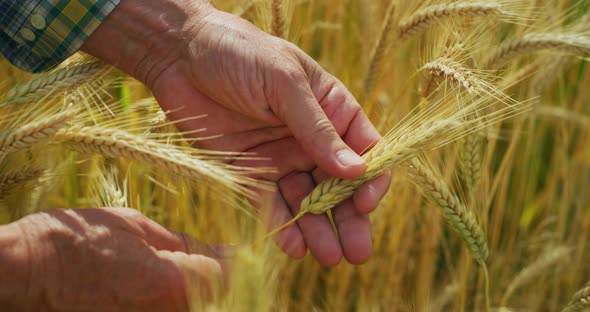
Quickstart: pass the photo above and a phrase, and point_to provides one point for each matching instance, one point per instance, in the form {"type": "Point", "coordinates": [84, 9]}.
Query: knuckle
{"type": "Point", "coordinates": [130, 213]}
{"type": "Point", "coordinates": [320, 130]}
{"type": "Point", "coordinates": [291, 73]}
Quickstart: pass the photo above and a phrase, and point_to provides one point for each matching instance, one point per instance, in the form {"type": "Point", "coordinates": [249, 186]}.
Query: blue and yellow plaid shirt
{"type": "Point", "coordinates": [37, 35]}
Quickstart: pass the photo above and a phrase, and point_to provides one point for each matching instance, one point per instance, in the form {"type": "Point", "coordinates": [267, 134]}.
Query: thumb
{"type": "Point", "coordinates": [203, 276]}
{"type": "Point", "coordinates": [315, 132]}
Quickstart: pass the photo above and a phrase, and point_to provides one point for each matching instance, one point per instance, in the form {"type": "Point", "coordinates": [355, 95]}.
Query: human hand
{"type": "Point", "coordinates": [110, 259]}
{"type": "Point", "coordinates": [265, 96]}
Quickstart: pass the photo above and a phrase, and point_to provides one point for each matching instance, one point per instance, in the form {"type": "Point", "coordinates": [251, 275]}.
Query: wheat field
{"type": "Point", "coordinates": [486, 121]}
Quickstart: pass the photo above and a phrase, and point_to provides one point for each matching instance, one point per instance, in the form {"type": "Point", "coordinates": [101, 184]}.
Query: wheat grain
{"type": "Point", "coordinates": [383, 157]}
{"type": "Point", "coordinates": [33, 132]}
{"type": "Point", "coordinates": [453, 71]}
{"type": "Point", "coordinates": [549, 258]}
{"type": "Point", "coordinates": [580, 300]}
{"type": "Point", "coordinates": [59, 80]}
{"type": "Point", "coordinates": [107, 192]}
{"type": "Point", "coordinates": [278, 19]}
{"type": "Point", "coordinates": [574, 43]}
{"type": "Point", "coordinates": [471, 159]}
{"type": "Point", "coordinates": [10, 179]}
{"type": "Point", "coordinates": [425, 17]}
{"type": "Point", "coordinates": [378, 53]}
{"type": "Point", "coordinates": [454, 212]}
{"type": "Point", "coordinates": [117, 143]}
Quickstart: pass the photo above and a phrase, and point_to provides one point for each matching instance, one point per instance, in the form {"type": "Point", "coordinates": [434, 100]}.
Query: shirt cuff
{"type": "Point", "coordinates": [43, 34]}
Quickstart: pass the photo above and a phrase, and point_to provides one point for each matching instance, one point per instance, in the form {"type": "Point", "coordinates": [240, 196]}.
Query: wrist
{"type": "Point", "coordinates": [143, 37]}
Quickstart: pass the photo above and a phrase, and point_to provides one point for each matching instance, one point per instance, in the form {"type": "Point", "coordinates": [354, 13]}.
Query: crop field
{"type": "Point", "coordinates": [485, 111]}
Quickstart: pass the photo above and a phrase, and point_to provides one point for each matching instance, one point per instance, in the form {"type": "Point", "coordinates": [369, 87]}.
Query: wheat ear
{"type": "Point", "coordinates": [108, 193]}
{"type": "Point", "coordinates": [278, 19]}
{"type": "Point", "coordinates": [56, 81]}
{"type": "Point", "coordinates": [580, 300]}
{"type": "Point", "coordinates": [538, 267]}
{"type": "Point", "coordinates": [384, 156]}
{"type": "Point", "coordinates": [10, 179]}
{"type": "Point", "coordinates": [33, 132]}
{"type": "Point", "coordinates": [453, 211]}
{"type": "Point", "coordinates": [117, 143]}
{"type": "Point", "coordinates": [425, 17]}
{"type": "Point", "coordinates": [333, 191]}
{"type": "Point", "coordinates": [454, 72]}
{"type": "Point", "coordinates": [574, 43]}
{"type": "Point", "coordinates": [378, 53]}
{"type": "Point", "coordinates": [470, 159]}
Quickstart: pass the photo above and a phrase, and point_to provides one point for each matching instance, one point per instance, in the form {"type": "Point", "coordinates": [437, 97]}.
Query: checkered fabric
{"type": "Point", "coordinates": [37, 35]}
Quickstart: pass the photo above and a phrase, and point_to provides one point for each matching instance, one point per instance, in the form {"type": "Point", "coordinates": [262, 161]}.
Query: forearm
{"type": "Point", "coordinates": [142, 37]}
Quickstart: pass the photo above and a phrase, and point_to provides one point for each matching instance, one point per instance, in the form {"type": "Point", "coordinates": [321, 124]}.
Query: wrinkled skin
{"type": "Point", "coordinates": [265, 96]}
{"type": "Point", "coordinates": [110, 259]}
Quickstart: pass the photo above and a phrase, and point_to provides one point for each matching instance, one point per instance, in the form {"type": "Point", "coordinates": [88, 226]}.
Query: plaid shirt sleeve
{"type": "Point", "coordinates": [37, 35]}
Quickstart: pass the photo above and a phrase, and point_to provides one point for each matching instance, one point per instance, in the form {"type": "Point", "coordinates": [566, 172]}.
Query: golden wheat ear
{"type": "Point", "coordinates": [284, 226]}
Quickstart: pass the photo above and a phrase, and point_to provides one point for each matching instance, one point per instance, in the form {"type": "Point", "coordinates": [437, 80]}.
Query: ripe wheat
{"type": "Point", "coordinates": [278, 19]}
{"type": "Point", "coordinates": [34, 131]}
{"type": "Point", "coordinates": [453, 210]}
{"type": "Point", "coordinates": [580, 300]}
{"type": "Point", "coordinates": [574, 43]}
{"type": "Point", "coordinates": [425, 17]}
{"type": "Point", "coordinates": [453, 71]}
{"type": "Point", "coordinates": [11, 179]}
{"type": "Point", "coordinates": [550, 258]}
{"type": "Point", "coordinates": [54, 82]}
{"type": "Point", "coordinates": [378, 54]}
{"type": "Point", "coordinates": [117, 143]}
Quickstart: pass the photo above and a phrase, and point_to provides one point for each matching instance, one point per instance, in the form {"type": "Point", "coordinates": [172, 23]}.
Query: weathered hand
{"type": "Point", "coordinates": [265, 96]}
{"type": "Point", "coordinates": [111, 259]}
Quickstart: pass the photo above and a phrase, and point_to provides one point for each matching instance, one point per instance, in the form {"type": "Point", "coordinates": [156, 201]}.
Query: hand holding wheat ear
{"type": "Point", "coordinates": [265, 96]}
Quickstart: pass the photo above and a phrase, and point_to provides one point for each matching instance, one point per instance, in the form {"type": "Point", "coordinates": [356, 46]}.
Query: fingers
{"type": "Point", "coordinates": [368, 196]}
{"type": "Point", "coordinates": [317, 230]}
{"type": "Point", "coordinates": [354, 229]}
{"type": "Point", "coordinates": [302, 113]}
{"type": "Point", "coordinates": [353, 225]}
{"type": "Point", "coordinates": [340, 106]}
{"type": "Point", "coordinates": [163, 239]}
{"type": "Point", "coordinates": [290, 239]}
{"type": "Point", "coordinates": [203, 276]}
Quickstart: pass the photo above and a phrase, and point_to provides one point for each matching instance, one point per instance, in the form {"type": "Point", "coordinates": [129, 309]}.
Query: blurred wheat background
{"type": "Point", "coordinates": [508, 188]}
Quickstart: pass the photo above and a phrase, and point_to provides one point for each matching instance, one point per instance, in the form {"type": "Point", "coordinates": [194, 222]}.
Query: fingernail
{"type": "Point", "coordinates": [347, 158]}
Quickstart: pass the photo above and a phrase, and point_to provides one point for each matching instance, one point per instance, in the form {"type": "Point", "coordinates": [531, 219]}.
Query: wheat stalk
{"type": "Point", "coordinates": [580, 300]}
{"type": "Point", "coordinates": [454, 212]}
{"type": "Point", "coordinates": [278, 19]}
{"type": "Point", "coordinates": [56, 81]}
{"type": "Point", "coordinates": [378, 53]}
{"type": "Point", "coordinates": [425, 17]}
{"type": "Point", "coordinates": [551, 257]}
{"type": "Point", "coordinates": [117, 143]}
{"type": "Point", "coordinates": [533, 42]}
{"type": "Point", "coordinates": [33, 132]}
{"type": "Point", "coordinates": [10, 179]}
